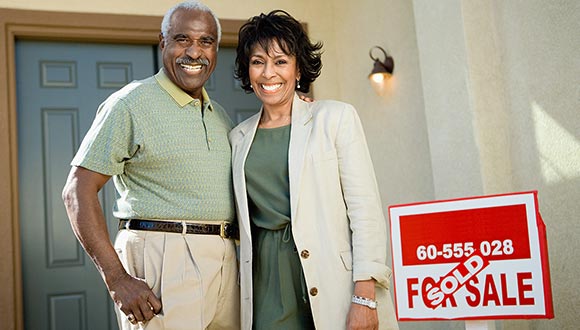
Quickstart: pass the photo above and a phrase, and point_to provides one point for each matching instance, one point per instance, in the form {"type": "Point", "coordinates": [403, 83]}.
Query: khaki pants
{"type": "Point", "coordinates": [195, 276]}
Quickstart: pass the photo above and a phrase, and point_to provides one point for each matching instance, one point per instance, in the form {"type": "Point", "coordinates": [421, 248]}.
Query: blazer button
{"type": "Point", "coordinates": [305, 254]}
{"type": "Point", "coordinates": [313, 291]}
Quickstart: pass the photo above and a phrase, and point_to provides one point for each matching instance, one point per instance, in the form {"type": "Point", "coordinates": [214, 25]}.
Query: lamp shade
{"type": "Point", "coordinates": [381, 70]}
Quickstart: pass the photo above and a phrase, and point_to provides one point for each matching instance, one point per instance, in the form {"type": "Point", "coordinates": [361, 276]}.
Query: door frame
{"type": "Point", "coordinates": [56, 26]}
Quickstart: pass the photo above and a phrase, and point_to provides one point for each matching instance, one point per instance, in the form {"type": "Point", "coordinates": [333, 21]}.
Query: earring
{"type": "Point", "coordinates": [297, 84]}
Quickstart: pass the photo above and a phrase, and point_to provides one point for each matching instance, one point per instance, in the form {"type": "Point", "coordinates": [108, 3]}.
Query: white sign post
{"type": "Point", "coordinates": [479, 325]}
{"type": "Point", "coordinates": [476, 259]}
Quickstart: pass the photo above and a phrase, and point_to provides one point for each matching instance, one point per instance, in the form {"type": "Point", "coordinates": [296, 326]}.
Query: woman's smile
{"type": "Point", "coordinates": [271, 87]}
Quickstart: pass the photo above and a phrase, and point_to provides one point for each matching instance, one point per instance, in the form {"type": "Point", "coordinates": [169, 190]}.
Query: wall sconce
{"type": "Point", "coordinates": [381, 70]}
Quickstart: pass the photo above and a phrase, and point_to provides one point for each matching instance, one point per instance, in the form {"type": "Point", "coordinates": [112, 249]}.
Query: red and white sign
{"type": "Point", "coordinates": [473, 258]}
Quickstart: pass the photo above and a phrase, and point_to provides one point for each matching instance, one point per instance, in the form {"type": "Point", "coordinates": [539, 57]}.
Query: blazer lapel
{"type": "Point", "coordinates": [240, 149]}
{"type": "Point", "coordinates": [300, 132]}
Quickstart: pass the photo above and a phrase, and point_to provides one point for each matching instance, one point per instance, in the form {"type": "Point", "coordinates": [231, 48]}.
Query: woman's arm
{"type": "Point", "coordinates": [361, 195]}
{"type": "Point", "coordinates": [366, 218]}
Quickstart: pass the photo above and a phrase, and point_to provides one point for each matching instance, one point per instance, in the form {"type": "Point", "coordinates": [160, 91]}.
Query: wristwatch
{"type": "Point", "coordinates": [372, 304]}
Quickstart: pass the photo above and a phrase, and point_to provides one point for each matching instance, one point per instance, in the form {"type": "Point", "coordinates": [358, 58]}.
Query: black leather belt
{"type": "Point", "coordinates": [223, 229]}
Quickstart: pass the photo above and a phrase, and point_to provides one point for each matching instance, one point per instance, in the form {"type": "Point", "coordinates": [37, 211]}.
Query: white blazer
{"type": "Point", "coordinates": [336, 214]}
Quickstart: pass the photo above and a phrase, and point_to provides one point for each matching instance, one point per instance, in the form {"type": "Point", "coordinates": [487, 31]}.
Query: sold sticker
{"type": "Point", "coordinates": [473, 258]}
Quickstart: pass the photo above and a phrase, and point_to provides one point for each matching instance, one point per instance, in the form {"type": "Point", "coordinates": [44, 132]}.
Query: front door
{"type": "Point", "coordinates": [59, 87]}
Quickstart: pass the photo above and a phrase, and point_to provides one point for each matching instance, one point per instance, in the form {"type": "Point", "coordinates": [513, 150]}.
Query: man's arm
{"type": "Point", "coordinates": [80, 196]}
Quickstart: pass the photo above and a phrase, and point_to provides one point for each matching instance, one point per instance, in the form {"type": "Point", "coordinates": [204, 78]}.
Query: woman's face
{"type": "Point", "coordinates": [273, 75]}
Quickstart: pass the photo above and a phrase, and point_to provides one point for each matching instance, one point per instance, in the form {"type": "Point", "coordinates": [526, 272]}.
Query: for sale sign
{"type": "Point", "coordinates": [473, 258]}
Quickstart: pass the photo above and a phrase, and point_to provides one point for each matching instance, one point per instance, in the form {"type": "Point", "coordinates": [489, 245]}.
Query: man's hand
{"type": "Point", "coordinates": [305, 98]}
{"type": "Point", "coordinates": [85, 213]}
{"type": "Point", "coordinates": [133, 297]}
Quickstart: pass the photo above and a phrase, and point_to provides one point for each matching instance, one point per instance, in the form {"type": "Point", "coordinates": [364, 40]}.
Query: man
{"type": "Point", "coordinates": [164, 143]}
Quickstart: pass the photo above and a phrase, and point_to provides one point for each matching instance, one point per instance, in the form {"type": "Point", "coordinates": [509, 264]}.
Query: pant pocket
{"type": "Point", "coordinates": [153, 259]}
{"type": "Point", "coordinates": [129, 246]}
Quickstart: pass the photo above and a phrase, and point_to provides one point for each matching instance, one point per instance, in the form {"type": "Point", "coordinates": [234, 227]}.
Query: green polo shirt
{"type": "Point", "coordinates": [168, 153]}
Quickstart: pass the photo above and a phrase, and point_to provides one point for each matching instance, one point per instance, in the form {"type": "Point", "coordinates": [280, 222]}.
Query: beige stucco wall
{"type": "Point", "coordinates": [484, 99]}
{"type": "Point", "coordinates": [501, 84]}
{"type": "Point", "coordinates": [540, 44]}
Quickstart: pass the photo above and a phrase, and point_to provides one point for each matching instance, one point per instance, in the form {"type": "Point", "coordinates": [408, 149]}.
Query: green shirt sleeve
{"type": "Point", "coordinates": [110, 141]}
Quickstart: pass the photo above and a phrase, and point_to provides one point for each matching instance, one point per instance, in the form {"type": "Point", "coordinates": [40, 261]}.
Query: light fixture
{"type": "Point", "coordinates": [382, 70]}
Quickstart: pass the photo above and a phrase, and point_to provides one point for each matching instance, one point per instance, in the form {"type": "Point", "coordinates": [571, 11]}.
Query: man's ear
{"type": "Point", "coordinates": [161, 41]}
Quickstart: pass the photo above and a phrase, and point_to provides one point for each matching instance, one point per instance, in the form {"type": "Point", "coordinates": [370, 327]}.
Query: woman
{"type": "Point", "coordinates": [312, 232]}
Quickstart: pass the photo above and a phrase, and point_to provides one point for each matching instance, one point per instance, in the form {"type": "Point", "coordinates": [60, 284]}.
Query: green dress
{"type": "Point", "coordinates": [279, 289]}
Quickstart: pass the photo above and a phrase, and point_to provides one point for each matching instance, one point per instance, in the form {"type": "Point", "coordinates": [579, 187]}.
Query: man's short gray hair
{"type": "Point", "coordinates": [189, 5]}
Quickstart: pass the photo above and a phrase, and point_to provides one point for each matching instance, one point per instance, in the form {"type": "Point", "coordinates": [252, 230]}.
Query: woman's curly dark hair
{"type": "Point", "coordinates": [278, 26]}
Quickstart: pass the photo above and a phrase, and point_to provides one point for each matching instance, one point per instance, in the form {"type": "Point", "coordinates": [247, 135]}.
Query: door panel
{"type": "Point", "coordinates": [59, 87]}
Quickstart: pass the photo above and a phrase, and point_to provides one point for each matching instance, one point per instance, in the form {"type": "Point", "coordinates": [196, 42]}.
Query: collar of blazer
{"type": "Point", "coordinates": [299, 134]}
{"type": "Point", "coordinates": [301, 116]}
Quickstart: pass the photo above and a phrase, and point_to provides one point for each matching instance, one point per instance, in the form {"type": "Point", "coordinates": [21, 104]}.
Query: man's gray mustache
{"type": "Point", "coordinates": [190, 61]}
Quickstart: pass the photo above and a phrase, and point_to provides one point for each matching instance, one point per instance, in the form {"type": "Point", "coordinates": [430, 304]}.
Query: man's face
{"type": "Point", "coordinates": [190, 49]}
